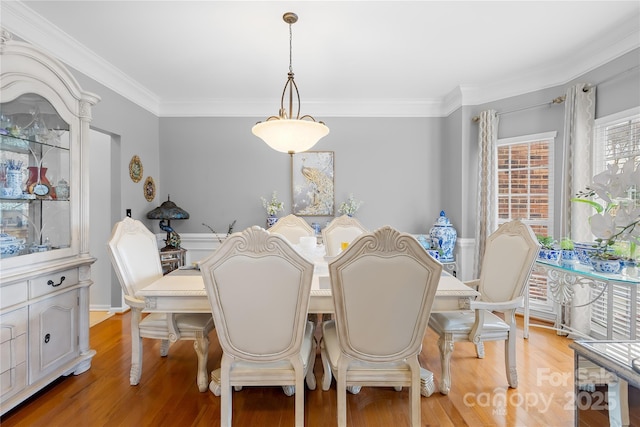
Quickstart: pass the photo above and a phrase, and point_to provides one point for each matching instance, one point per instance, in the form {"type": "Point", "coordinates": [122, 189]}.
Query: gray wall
{"type": "Point", "coordinates": [217, 170]}
{"type": "Point", "coordinates": [404, 169]}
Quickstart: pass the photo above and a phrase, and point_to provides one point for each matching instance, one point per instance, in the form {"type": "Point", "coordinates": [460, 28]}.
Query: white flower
{"type": "Point", "coordinates": [274, 205]}
{"type": "Point", "coordinates": [603, 226]}
{"type": "Point", "coordinates": [618, 216]}
{"type": "Point", "coordinates": [350, 207]}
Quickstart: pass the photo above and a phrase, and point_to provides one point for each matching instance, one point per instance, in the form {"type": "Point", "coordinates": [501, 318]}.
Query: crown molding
{"type": "Point", "coordinates": [33, 28]}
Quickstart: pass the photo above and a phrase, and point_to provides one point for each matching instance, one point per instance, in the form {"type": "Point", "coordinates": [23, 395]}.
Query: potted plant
{"type": "Point", "coordinates": [617, 217]}
{"type": "Point", "coordinates": [272, 206]}
{"type": "Point", "coordinates": [548, 252]}
{"type": "Point", "coordinates": [568, 255]}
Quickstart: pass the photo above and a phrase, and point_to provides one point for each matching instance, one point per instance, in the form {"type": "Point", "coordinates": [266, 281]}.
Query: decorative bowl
{"type": "Point", "coordinates": [584, 251]}
{"type": "Point", "coordinates": [600, 265]}
{"type": "Point", "coordinates": [10, 246]}
{"type": "Point", "coordinates": [551, 255]}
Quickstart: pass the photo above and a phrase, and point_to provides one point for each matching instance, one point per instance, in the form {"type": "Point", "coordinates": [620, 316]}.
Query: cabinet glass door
{"type": "Point", "coordinates": [35, 197]}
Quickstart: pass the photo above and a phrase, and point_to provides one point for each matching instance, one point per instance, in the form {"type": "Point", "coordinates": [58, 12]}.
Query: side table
{"type": "Point", "coordinates": [172, 259]}
{"type": "Point", "coordinates": [450, 267]}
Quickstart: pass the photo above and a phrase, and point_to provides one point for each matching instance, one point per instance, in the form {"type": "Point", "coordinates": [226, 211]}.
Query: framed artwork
{"type": "Point", "coordinates": [149, 189]}
{"type": "Point", "coordinates": [312, 183]}
{"type": "Point", "coordinates": [135, 169]}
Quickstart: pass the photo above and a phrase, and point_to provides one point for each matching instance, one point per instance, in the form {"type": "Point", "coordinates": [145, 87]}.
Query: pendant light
{"type": "Point", "coordinates": [285, 132]}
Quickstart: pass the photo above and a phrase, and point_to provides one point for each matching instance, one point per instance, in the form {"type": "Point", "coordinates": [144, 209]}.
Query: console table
{"type": "Point", "coordinates": [562, 283]}
{"type": "Point", "coordinates": [616, 358]}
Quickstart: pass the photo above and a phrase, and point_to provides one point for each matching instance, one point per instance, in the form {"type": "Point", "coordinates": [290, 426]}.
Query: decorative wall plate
{"type": "Point", "coordinates": [149, 189]}
{"type": "Point", "coordinates": [135, 169]}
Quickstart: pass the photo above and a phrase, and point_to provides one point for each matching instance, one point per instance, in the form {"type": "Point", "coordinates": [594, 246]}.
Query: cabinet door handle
{"type": "Point", "coordinates": [47, 338]}
{"type": "Point", "coordinates": [50, 282]}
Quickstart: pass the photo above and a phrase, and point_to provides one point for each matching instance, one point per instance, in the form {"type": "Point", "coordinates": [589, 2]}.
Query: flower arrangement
{"type": "Point", "coordinates": [617, 217]}
{"type": "Point", "coordinates": [349, 207]}
{"type": "Point", "coordinates": [274, 205]}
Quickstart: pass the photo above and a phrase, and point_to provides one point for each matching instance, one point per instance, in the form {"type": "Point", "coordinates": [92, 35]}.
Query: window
{"type": "Point", "coordinates": [615, 315]}
{"type": "Point", "coordinates": [525, 168]}
{"type": "Point", "coordinates": [524, 171]}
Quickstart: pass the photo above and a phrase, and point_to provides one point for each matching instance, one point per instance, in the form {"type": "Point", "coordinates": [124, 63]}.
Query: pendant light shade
{"type": "Point", "coordinates": [290, 135]}
{"type": "Point", "coordinates": [285, 132]}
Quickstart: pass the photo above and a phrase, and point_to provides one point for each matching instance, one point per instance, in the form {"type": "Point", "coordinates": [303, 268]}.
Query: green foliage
{"type": "Point", "coordinates": [546, 242]}
{"type": "Point", "coordinates": [566, 244]}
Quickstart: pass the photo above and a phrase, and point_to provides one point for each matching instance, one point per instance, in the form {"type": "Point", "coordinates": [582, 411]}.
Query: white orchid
{"type": "Point", "coordinates": [618, 216]}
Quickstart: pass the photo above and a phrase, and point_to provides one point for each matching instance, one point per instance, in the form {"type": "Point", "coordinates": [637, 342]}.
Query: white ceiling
{"type": "Point", "coordinates": [350, 58]}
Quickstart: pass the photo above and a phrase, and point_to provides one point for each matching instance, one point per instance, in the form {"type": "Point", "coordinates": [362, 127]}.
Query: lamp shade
{"type": "Point", "coordinates": [290, 135]}
{"type": "Point", "coordinates": [168, 210]}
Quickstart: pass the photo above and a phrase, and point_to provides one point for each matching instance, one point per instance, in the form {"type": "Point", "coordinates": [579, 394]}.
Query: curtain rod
{"type": "Point", "coordinates": [558, 100]}
{"type": "Point", "coordinates": [614, 77]}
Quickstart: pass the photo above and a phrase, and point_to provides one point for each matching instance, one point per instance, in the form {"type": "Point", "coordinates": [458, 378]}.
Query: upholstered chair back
{"type": "Point", "coordinates": [259, 288]}
{"type": "Point", "coordinates": [134, 253]}
{"type": "Point", "coordinates": [509, 256]}
{"type": "Point", "coordinates": [292, 227]}
{"type": "Point", "coordinates": [383, 287]}
{"type": "Point", "coordinates": [341, 229]}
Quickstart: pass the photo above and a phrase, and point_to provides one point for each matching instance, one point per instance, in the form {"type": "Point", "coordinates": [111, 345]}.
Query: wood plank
{"type": "Point", "coordinates": [167, 393]}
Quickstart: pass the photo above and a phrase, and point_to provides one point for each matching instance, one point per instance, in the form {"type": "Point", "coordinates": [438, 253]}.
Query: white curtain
{"type": "Point", "coordinates": [577, 173]}
{"type": "Point", "coordinates": [487, 203]}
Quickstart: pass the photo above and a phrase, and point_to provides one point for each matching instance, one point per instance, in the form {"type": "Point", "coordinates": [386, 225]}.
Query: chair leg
{"type": "Point", "coordinates": [341, 389]}
{"type": "Point", "coordinates": [136, 348]}
{"type": "Point", "coordinates": [510, 360]}
{"type": "Point", "coordinates": [480, 350]}
{"type": "Point", "coordinates": [427, 386]}
{"type": "Point", "coordinates": [164, 348]}
{"type": "Point", "coordinates": [311, 363]}
{"type": "Point", "coordinates": [215, 386]}
{"type": "Point", "coordinates": [326, 367]}
{"type": "Point", "coordinates": [226, 395]}
{"type": "Point", "coordinates": [414, 394]}
{"type": "Point", "coordinates": [445, 343]}
{"type": "Point", "coordinates": [299, 403]}
{"type": "Point", "coordinates": [201, 345]}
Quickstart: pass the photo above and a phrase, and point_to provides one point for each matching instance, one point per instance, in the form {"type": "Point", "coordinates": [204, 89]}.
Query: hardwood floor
{"type": "Point", "coordinates": [167, 394]}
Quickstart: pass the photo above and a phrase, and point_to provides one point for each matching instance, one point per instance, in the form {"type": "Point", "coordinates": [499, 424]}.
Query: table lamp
{"type": "Point", "coordinates": [166, 212]}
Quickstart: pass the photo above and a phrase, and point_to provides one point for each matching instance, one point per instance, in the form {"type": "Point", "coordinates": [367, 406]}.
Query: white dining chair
{"type": "Point", "coordinates": [509, 257]}
{"type": "Point", "coordinates": [259, 287]}
{"type": "Point", "coordinates": [341, 229]}
{"type": "Point", "coordinates": [383, 287]}
{"type": "Point", "coordinates": [133, 250]}
{"type": "Point", "coordinates": [292, 227]}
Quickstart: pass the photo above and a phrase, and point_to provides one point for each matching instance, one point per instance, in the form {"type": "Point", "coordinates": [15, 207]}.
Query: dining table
{"type": "Point", "coordinates": [182, 291]}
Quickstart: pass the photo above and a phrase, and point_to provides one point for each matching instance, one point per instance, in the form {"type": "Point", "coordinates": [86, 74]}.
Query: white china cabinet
{"type": "Point", "coordinates": [44, 244]}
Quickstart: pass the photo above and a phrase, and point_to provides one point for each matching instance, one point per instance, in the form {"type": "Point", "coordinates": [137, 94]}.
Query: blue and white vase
{"type": "Point", "coordinates": [271, 220]}
{"type": "Point", "coordinates": [443, 238]}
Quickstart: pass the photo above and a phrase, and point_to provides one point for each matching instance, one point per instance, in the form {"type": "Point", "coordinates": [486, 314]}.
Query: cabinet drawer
{"type": "Point", "coordinates": [13, 380]}
{"type": "Point", "coordinates": [13, 352]}
{"type": "Point", "coordinates": [13, 294]}
{"type": "Point", "coordinates": [52, 282]}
